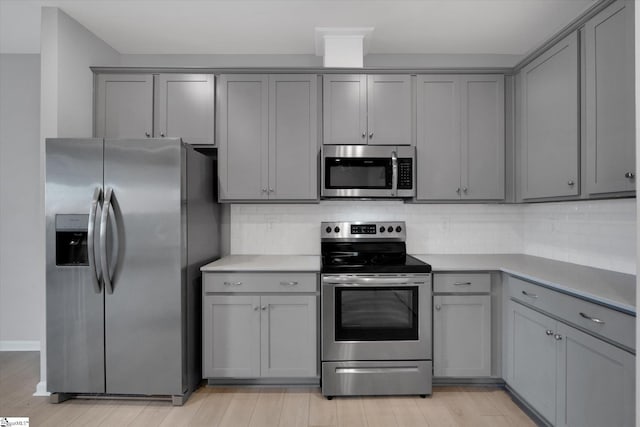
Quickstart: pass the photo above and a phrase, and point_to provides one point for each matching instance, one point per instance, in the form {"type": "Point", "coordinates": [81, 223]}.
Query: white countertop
{"type": "Point", "coordinates": [611, 288]}
{"type": "Point", "coordinates": [244, 263]}
{"type": "Point", "coordinates": [604, 286]}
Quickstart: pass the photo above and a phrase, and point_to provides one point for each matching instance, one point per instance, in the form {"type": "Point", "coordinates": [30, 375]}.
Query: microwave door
{"type": "Point", "coordinates": [358, 177]}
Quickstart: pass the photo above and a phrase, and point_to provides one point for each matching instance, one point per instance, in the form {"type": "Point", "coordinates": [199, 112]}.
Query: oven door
{"type": "Point", "coordinates": [376, 317]}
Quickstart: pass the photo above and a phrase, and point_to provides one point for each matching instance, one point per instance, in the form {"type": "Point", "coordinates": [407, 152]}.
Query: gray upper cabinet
{"type": "Point", "coordinates": [185, 104]}
{"type": "Point", "coordinates": [460, 137]}
{"type": "Point", "coordinates": [268, 137]}
{"type": "Point", "coordinates": [243, 144]}
{"type": "Point", "coordinates": [124, 106]}
{"type": "Point", "coordinates": [147, 105]}
{"type": "Point", "coordinates": [549, 116]}
{"type": "Point", "coordinates": [367, 109]}
{"type": "Point", "coordinates": [610, 100]}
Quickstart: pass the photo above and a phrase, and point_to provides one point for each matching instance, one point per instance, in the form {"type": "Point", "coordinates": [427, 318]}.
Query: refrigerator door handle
{"type": "Point", "coordinates": [95, 276]}
{"type": "Point", "coordinates": [103, 240]}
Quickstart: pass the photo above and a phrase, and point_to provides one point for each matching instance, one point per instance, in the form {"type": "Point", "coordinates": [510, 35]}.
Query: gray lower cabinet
{"type": "Point", "coordinates": [549, 136]}
{"type": "Point", "coordinates": [367, 109]}
{"type": "Point", "coordinates": [569, 375]}
{"type": "Point", "coordinates": [460, 137]}
{"type": "Point", "coordinates": [155, 105]}
{"type": "Point", "coordinates": [268, 147]}
{"type": "Point", "coordinates": [264, 328]}
{"type": "Point", "coordinates": [610, 100]}
{"type": "Point", "coordinates": [462, 335]}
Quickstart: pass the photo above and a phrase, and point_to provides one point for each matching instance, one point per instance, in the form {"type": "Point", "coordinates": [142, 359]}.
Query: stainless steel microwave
{"type": "Point", "coordinates": [364, 171]}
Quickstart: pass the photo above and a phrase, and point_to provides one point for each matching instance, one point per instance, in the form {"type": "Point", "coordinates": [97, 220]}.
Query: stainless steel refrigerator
{"type": "Point", "coordinates": [128, 223]}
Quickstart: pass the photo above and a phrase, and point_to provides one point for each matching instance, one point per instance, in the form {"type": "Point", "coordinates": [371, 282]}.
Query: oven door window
{"type": "Point", "coordinates": [376, 313]}
{"type": "Point", "coordinates": [358, 173]}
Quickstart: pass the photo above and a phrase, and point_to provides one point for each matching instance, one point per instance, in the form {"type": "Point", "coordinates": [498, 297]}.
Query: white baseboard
{"type": "Point", "coordinates": [19, 345]}
{"type": "Point", "coordinates": [41, 389]}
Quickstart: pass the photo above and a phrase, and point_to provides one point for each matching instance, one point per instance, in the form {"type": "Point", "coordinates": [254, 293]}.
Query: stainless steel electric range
{"type": "Point", "coordinates": [376, 312]}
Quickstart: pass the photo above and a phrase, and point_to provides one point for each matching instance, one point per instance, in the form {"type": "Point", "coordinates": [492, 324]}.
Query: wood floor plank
{"type": "Point", "coordinates": [268, 408]}
{"type": "Point", "coordinates": [508, 408]}
{"type": "Point", "coordinates": [377, 413]}
{"type": "Point", "coordinates": [68, 412]}
{"type": "Point", "coordinates": [479, 400]}
{"type": "Point", "coordinates": [350, 412]}
{"type": "Point", "coordinates": [152, 415]}
{"type": "Point", "coordinates": [240, 409]}
{"type": "Point", "coordinates": [213, 407]}
{"type": "Point", "coordinates": [406, 412]}
{"type": "Point", "coordinates": [436, 413]}
{"type": "Point", "coordinates": [180, 416]}
{"type": "Point", "coordinates": [295, 408]}
{"type": "Point", "coordinates": [123, 413]}
{"type": "Point", "coordinates": [322, 412]}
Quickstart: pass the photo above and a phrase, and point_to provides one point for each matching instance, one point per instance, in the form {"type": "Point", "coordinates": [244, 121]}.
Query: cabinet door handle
{"type": "Point", "coordinates": [162, 134]}
{"type": "Point", "coordinates": [270, 190]}
{"type": "Point", "coordinates": [288, 283]}
{"type": "Point", "coordinates": [256, 308]}
{"type": "Point", "coordinates": [264, 308]}
{"type": "Point", "coordinates": [570, 183]}
{"type": "Point", "coordinates": [264, 190]}
{"type": "Point", "coordinates": [549, 332]}
{"type": "Point", "coordinates": [462, 284]}
{"type": "Point", "coordinates": [438, 307]}
{"type": "Point", "coordinates": [371, 135]}
{"type": "Point", "coordinates": [593, 319]}
{"type": "Point", "coordinates": [557, 337]}
{"type": "Point", "coordinates": [232, 283]}
{"type": "Point", "coordinates": [364, 134]}
{"type": "Point", "coordinates": [458, 190]}
{"type": "Point", "coordinates": [529, 294]}
{"type": "Point", "coordinates": [147, 134]}
{"type": "Point", "coordinates": [629, 175]}
{"type": "Point", "coordinates": [464, 190]}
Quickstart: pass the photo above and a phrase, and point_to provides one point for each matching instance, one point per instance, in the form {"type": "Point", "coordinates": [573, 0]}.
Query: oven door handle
{"type": "Point", "coordinates": [369, 281]}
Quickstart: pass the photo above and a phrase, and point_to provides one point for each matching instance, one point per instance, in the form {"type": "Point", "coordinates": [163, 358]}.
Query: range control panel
{"type": "Point", "coordinates": [363, 230]}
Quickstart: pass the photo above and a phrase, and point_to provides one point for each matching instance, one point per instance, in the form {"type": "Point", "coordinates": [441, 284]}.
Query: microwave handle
{"type": "Point", "coordinates": [394, 173]}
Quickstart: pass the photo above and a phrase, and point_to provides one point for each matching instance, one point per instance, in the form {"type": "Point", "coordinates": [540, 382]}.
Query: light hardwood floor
{"type": "Point", "coordinates": [236, 406]}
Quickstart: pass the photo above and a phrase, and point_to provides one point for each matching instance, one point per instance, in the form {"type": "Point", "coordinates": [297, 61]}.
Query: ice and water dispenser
{"type": "Point", "coordinates": [71, 240]}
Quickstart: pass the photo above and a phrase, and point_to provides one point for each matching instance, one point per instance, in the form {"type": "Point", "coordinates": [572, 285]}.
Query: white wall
{"type": "Point", "coordinates": [596, 233]}
{"type": "Point", "coordinates": [21, 296]}
{"type": "Point", "coordinates": [66, 109]}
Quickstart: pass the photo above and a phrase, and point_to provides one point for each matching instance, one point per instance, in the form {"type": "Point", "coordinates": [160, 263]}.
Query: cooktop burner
{"type": "Point", "coordinates": [371, 247]}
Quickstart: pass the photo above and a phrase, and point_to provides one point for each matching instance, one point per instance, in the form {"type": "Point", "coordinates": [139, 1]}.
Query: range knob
{"type": "Point", "coordinates": [382, 229]}
{"type": "Point", "coordinates": [328, 229]}
{"type": "Point", "coordinates": [398, 229]}
{"type": "Point", "coordinates": [390, 229]}
{"type": "Point", "coordinates": [337, 229]}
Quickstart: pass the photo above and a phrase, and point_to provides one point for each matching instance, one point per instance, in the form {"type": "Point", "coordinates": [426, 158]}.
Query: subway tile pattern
{"type": "Point", "coordinates": [597, 233]}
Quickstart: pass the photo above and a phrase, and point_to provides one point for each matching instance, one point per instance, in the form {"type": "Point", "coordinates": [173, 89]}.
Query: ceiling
{"type": "Point", "coordinates": [512, 27]}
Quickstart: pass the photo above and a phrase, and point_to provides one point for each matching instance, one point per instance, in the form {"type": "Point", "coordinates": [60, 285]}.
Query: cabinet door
{"type": "Point", "coordinates": [549, 135]}
{"type": "Point", "coordinates": [610, 99]}
{"type": "Point", "coordinates": [596, 382]}
{"type": "Point", "coordinates": [482, 118]}
{"type": "Point", "coordinates": [244, 135]}
{"type": "Point", "coordinates": [438, 138]}
{"type": "Point", "coordinates": [289, 336]}
{"type": "Point", "coordinates": [293, 144]}
{"type": "Point", "coordinates": [462, 335]}
{"type": "Point", "coordinates": [389, 109]}
{"type": "Point", "coordinates": [124, 106]}
{"type": "Point", "coordinates": [185, 105]}
{"type": "Point", "coordinates": [345, 109]}
{"type": "Point", "coordinates": [231, 336]}
{"type": "Point", "coordinates": [533, 358]}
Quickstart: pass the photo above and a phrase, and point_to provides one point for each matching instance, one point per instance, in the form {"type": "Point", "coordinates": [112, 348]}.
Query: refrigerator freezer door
{"type": "Point", "coordinates": [143, 314]}
{"type": "Point", "coordinates": [75, 305]}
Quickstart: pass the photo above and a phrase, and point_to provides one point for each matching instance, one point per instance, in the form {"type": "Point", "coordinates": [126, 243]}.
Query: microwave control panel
{"type": "Point", "coordinates": [405, 174]}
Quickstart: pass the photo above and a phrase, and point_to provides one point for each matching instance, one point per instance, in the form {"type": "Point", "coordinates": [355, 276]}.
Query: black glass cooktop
{"type": "Point", "coordinates": [404, 264]}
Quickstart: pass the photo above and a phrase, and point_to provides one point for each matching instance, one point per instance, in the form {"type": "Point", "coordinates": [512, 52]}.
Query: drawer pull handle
{"type": "Point", "coordinates": [593, 319]}
{"type": "Point", "coordinates": [289, 283]}
{"type": "Point", "coordinates": [529, 294]}
{"type": "Point", "coordinates": [549, 332]}
{"type": "Point", "coordinates": [557, 337]}
{"type": "Point", "coordinates": [232, 283]}
{"type": "Point", "coordinates": [462, 284]}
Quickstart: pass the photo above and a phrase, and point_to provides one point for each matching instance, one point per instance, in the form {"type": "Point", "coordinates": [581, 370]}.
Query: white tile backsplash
{"type": "Point", "coordinates": [598, 233]}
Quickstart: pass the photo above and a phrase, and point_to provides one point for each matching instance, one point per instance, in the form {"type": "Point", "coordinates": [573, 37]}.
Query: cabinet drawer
{"type": "Point", "coordinates": [454, 282]}
{"type": "Point", "coordinates": [259, 282]}
{"type": "Point", "coordinates": [595, 318]}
